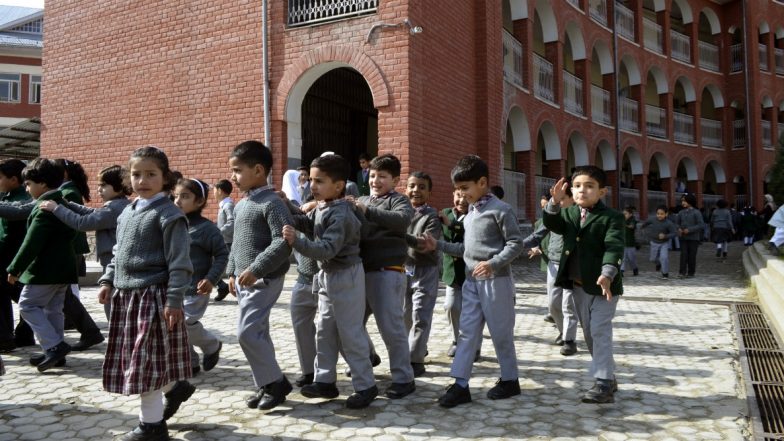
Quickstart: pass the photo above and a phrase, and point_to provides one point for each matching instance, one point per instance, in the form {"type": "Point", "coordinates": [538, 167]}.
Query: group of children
{"type": "Point", "coordinates": [376, 254]}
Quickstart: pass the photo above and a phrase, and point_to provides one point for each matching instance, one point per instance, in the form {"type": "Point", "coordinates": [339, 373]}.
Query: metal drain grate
{"type": "Point", "coordinates": [770, 399]}
{"type": "Point", "coordinates": [766, 366]}
{"type": "Point", "coordinates": [758, 338]}
{"type": "Point", "coordinates": [749, 321]}
{"type": "Point", "coordinates": [747, 308]}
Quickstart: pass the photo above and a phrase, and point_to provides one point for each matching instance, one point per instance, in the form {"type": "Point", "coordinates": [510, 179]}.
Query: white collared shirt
{"type": "Point", "coordinates": [141, 202]}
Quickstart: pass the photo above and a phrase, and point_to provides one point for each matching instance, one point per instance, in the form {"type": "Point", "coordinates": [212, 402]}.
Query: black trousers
{"type": "Point", "coordinates": [22, 334]}
{"type": "Point", "coordinates": [78, 315]}
{"type": "Point", "coordinates": [688, 257]}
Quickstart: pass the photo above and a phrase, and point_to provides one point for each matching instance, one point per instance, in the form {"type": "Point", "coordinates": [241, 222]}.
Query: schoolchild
{"type": "Point", "coordinates": [492, 241]}
{"type": "Point", "coordinates": [421, 269]}
{"type": "Point", "coordinates": [209, 257]}
{"type": "Point", "coordinates": [222, 192]}
{"type": "Point", "coordinates": [148, 352]}
{"type": "Point", "coordinates": [777, 239]}
{"type": "Point", "coordinates": [629, 241]}
{"type": "Point", "coordinates": [45, 263]}
{"type": "Point", "coordinates": [592, 254]}
{"type": "Point", "coordinates": [258, 262]}
{"type": "Point", "coordinates": [660, 231]}
{"type": "Point", "coordinates": [690, 229]}
{"type": "Point", "coordinates": [12, 233]}
{"type": "Point", "coordinates": [721, 228]}
{"type": "Point", "coordinates": [453, 269]}
{"type": "Point", "coordinates": [385, 216]}
{"type": "Point", "coordinates": [748, 224]}
{"type": "Point", "coordinates": [339, 283]}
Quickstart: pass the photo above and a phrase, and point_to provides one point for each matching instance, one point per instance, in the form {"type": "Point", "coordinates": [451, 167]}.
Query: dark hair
{"type": "Point", "coordinates": [117, 177]}
{"type": "Point", "coordinates": [388, 163]}
{"type": "Point", "coordinates": [592, 172]}
{"type": "Point", "coordinates": [498, 191]}
{"type": "Point", "coordinates": [470, 168]}
{"type": "Point", "coordinates": [199, 188]}
{"type": "Point", "coordinates": [152, 153]}
{"type": "Point", "coordinates": [225, 186]}
{"type": "Point", "coordinates": [12, 168]}
{"type": "Point", "coordinates": [545, 196]}
{"type": "Point", "coordinates": [690, 198]}
{"type": "Point", "coordinates": [662, 208]}
{"type": "Point", "coordinates": [364, 156]}
{"type": "Point", "coordinates": [303, 168]}
{"type": "Point", "coordinates": [568, 192]}
{"type": "Point", "coordinates": [76, 175]}
{"type": "Point", "coordinates": [252, 153]}
{"type": "Point", "coordinates": [629, 208]}
{"type": "Point", "coordinates": [46, 171]}
{"type": "Point", "coordinates": [334, 166]}
{"type": "Point", "coordinates": [721, 203]}
{"type": "Point", "coordinates": [423, 175]}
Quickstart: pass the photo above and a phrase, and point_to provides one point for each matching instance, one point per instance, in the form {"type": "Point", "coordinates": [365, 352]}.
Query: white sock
{"type": "Point", "coordinates": [151, 410]}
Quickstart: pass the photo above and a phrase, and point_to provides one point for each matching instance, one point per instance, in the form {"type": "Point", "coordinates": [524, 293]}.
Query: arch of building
{"type": "Point", "coordinates": [607, 155]}
{"type": "Point", "coordinates": [685, 8]}
{"type": "Point", "coordinates": [579, 148]}
{"type": "Point", "coordinates": [764, 27]}
{"type": "Point", "coordinates": [521, 135]}
{"type": "Point", "coordinates": [779, 32]}
{"type": "Point", "coordinates": [634, 160]}
{"type": "Point", "coordinates": [692, 174]}
{"type": "Point", "coordinates": [544, 10]}
{"type": "Point", "coordinates": [718, 170]}
{"type": "Point", "coordinates": [660, 79]}
{"type": "Point", "coordinates": [715, 92]}
{"type": "Point", "coordinates": [767, 102]}
{"type": "Point", "coordinates": [713, 20]}
{"type": "Point", "coordinates": [663, 164]}
{"type": "Point", "coordinates": [688, 88]}
{"type": "Point", "coordinates": [604, 56]}
{"type": "Point", "coordinates": [519, 9]}
{"type": "Point", "coordinates": [552, 145]}
{"type": "Point", "coordinates": [632, 69]}
{"type": "Point", "coordinates": [576, 39]}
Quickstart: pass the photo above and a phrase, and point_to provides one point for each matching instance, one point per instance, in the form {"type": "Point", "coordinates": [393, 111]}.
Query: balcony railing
{"type": "Point", "coordinates": [709, 56]}
{"type": "Point", "coordinates": [656, 121]}
{"type": "Point", "coordinates": [575, 3]}
{"type": "Point", "coordinates": [739, 132]}
{"type": "Point", "coordinates": [780, 133]}
{"type": "Point", "coordinates": [736, 57]}
{"type": "Point", "coordinates": [598, 11]}
{"type": "Point", "coordinates": [767, 136]}
{"type": "Point", "coordinates": [656, 198]}
{"type": "Point", "coordinates": [600, 105]}
{"type": "Point", "coordinates": [683, 127]}
{"type": "Point", "coordinates": [513, 59]}
{"type": "Point", "coordinates": [681, 46]}
{"type": "Point", "coordinates": [779, 54]}
{"type": "Point", "coordinates": [763, 56]}
{"type": "Point", "coordinates": [514, 190]}
{"type": "Point", "coordinates": [711, 132]}
{"type": "Point", "coordinates": [741, 200]}
{"type": "Point", "coordinates": [653, 35]}
{"type": "Point", "coordinates": [630, 197]}
{"type": "Point", "coordinates": [544, 83]}
{"type": "Point", "coordinates": [624, 21]}
{"type": "Point", "coordinates": [630, 115]}
{"type": "Point", "coordinates": [573, 94]}
{"type": "Point", "coordinates": [710, 200]}
{"type": "Point", "coordinates": [543, 186]}
{"type": "Point", "coordinates": [307, 12]}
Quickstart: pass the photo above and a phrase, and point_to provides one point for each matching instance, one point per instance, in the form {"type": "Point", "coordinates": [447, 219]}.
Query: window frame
{"type": "Point", "coordinates": [32, 89]}
{"type": "Point", "coordinates": [11, 83]}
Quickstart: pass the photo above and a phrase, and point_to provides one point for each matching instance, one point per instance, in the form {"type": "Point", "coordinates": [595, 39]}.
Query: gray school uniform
{"type": "Point", "coordinates": [16, 210]}
{"type": "Point", "coordinates": [383, 250]}
{"type": "Point", "coordinates": [491, 234]}
{"type": "Point", "coordinates": [209, 256]}
{"type": "Point", "coordinates": [596, 315]}
{"type": "Point", "coordinates": [41, 306]}
{"type": "Point", "coordinates": [226, 220]}
{"type": "Point", "coordinates": [341, 292]}
{"type": "Point", "coordinates": [660, 248]}
{"type": "Point", "coordinates": [259, 247]}
{"type": "Point", "coordinates": [561, 300]}
{"type": "Point", "coordinates": [422, 272]}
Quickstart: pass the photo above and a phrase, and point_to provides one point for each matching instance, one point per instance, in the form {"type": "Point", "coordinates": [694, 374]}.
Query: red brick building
{"type": "Point", "coordinates": [657, 92]}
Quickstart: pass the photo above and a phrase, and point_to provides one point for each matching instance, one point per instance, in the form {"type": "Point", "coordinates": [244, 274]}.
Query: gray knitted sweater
{"type": "Point", "coordinates": [653, 227]}
{"type": "Point", "coordinates": [209, 254]}
{"type": "Point", "coordinates": [491, 234]}
{"type": "Point", "coordinates": [691, 219]}
{"type": "Point", "coordinates": [258, 243]}
{"type": "Point", "coordinates": [152, 248]}
{"type": "Point", "coordinates": [384, 227]}
{"type": "Point", "coordinates": [336, 229]}
{"type": "Point", "coordinates": [16, 210]}
{"type": "Point", "coordinates": [101, 220]}
{"type": "Point", "coordinates": [226, 220]}
{"type": "Point", "coordinates": [425, 220]}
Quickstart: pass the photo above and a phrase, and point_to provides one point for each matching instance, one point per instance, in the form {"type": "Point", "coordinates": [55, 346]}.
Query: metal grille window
{"type": "Point", "coordinates": [33, 27]}
{"type": "Point", "coordinates": [35, 89]}
{"type": "Point", "coordinates": [10, 84]}
{"type": "Point", "coordinates": [306, 12]}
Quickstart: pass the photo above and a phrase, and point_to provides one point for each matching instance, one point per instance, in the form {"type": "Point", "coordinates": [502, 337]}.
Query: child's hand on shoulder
{"type": "Point", "coordinates": [12, 279]}
{"type": "Point", "coordinates": [308, 206]}
{"type": "Point", "coordinates": [204, 287]}
{"type": "Point", "coordinates": [426, 243]}
{"type": "Point", "coordinates": [48, 205]}
{"type": "Point", "coordinates": [104, 294]}
{"type": "Point", "coordinates": [247, 278]}
{"type": "Point", "coordinates": [173, 317]}
{"type": "Point", "coordinates": [360, 206]}
{"type": "Point", "coordinates": [533, 252]}
{"type": "Point", "coordinates": [282, 195]}
{"type": "Point", "coordinates": [290, 234]}
{"type": "Point", "coordinates": [483, 270]}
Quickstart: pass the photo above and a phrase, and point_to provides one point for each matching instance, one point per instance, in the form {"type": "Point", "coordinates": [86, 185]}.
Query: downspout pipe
{"type": "Point", "coordinates": [618, 156]}
{"type": "Point", "coordinates": [265, 69]}
{"type": "Point", "coordinates": [750, 181]}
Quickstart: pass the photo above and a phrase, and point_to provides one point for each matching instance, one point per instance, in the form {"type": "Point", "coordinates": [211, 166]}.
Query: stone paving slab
{"type": "Point", "coordinates": [677, 362]}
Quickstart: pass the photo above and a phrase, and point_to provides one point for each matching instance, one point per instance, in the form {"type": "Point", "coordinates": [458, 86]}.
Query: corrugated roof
{"type": "Point", "coordinates": [13, 14]}
{"type": "Point", "coordinates": [22, 140]}
{"type": "Point", "coordinates": [19, 40]}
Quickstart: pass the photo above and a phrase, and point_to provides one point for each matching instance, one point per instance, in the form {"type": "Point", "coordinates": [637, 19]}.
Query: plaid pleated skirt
{"type": "Point", "coordinates": [142, 354]}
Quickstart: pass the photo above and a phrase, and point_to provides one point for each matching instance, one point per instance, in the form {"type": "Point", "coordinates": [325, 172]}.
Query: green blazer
{"type": "Point", "coordinates": [46, 256]}
{"type": "Point", "coordinates": [12, 232]}
{"type": "Point", "coordinates": [453, 268]}
{"type": "Point", "coordinates": [598, 242]}
{"type": "Point", "coordinates": [71, 194]}
{"type": "Point", "coordinates": [363, 183]}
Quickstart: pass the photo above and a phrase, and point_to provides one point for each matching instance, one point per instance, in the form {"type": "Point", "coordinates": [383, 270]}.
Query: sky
{"type": "Point", "coordinates": [28, 3]}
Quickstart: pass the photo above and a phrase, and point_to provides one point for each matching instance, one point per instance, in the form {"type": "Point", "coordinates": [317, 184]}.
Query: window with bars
{"type": "Point", "coordinates": [10, 85]}
{"type": "Point", "coordinates": [35, 89]}
{"type": "Point", "coordinates": [32, 27]}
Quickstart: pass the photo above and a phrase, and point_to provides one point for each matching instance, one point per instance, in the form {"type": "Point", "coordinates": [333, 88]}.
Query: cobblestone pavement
{"type": "Point", "coordinates": [678, 375]}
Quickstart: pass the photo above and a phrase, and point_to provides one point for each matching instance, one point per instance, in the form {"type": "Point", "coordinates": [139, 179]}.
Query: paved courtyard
{"type": "Point", "coordinates": [678, 374]}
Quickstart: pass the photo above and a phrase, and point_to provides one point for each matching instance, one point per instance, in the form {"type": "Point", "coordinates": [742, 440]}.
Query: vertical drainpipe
{"type": "Point", "coordinates": [265, 70]}
{"type": "Point", "coordinates": [750, 181]}
{"type": "Point", "coordinates": [618, 157]}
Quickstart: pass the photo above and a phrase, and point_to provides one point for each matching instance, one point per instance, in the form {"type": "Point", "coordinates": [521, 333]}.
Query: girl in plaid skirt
{"type": "Point", "coordinates": [148, 352]}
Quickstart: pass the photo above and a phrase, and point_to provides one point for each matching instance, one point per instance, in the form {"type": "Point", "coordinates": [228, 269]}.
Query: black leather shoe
{"type": "Point", "coordinates": [478, 355]}
{"type": "Point", "coordinates": [36, 359]}
{"type": "Point", "coordinates": [375, 360]}
{"type": "Point", "coordinates": [148, 432]}
{"type": "Point", "coordinates": [558, 340]}
{"type": "Point", "coordinates": [7, 346]}
{"type": "Point", "coordinates": [304, 380]}
{"type": "Point", "coordinates": [601, 392]}
{"type": "Point", "coordinates": [211, 360]}
{"type": "Point", "coordinates": [504, 389]}
{"type": "Point", "coordinates": [195, 370]}
{"type": "Point", "coordinates": [548, 318]}
{"type": "Point", "coordinates": [419, 369]}
{"type": "Point", "coordinates": [179, 394]}
{"type": "Point", "coordinates": [275, 394]}
{"type": "Point", "coordinates": [87, 341]}
{"type": "Point", "coordinates": [455, 395]}
{"type": "Point", "coordinates": [396, 391]}
{"type": "Point", "coordinates": [253, 400]}
{"type": "Point", "coordinates": [569, 348]}
{"type": "Point", "coordinates": [222, 293]}
{"type": "Point", "coordinates": [362, 399]}
{"type": "Point", "coordinates": [320, 390]}
{"type": "Point", "coordinates": [53, 356]}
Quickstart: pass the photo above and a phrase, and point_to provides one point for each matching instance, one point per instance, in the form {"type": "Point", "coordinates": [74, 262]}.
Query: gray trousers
{"type": "Point", "coordinates": [253, 329]}
{"type": "Point", "coordinates": [341, 305]}
{"type": "Point", "coordinates": [453, 305]}
{"type": "Point", "coordinates": [194, 307]}
{"type": "Point", "coordinates": [629, 258]}
{"type": "Point", "coordinates": [41, 306]}
{"type": "Point", "coordinates": [303, 307]}
{"type": "Point", "coordinates": [596, 315]}
{"type": "Point", "coordinates": [488, 301]}
{"type": "Point", "coordinates": [660, 252]}
{"type": "Point", "coordinates": [420, 301]}
{"type": "Point", "coordinates": [561, 305]}
{"type": "Point", "coordinates": [384, 292]}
